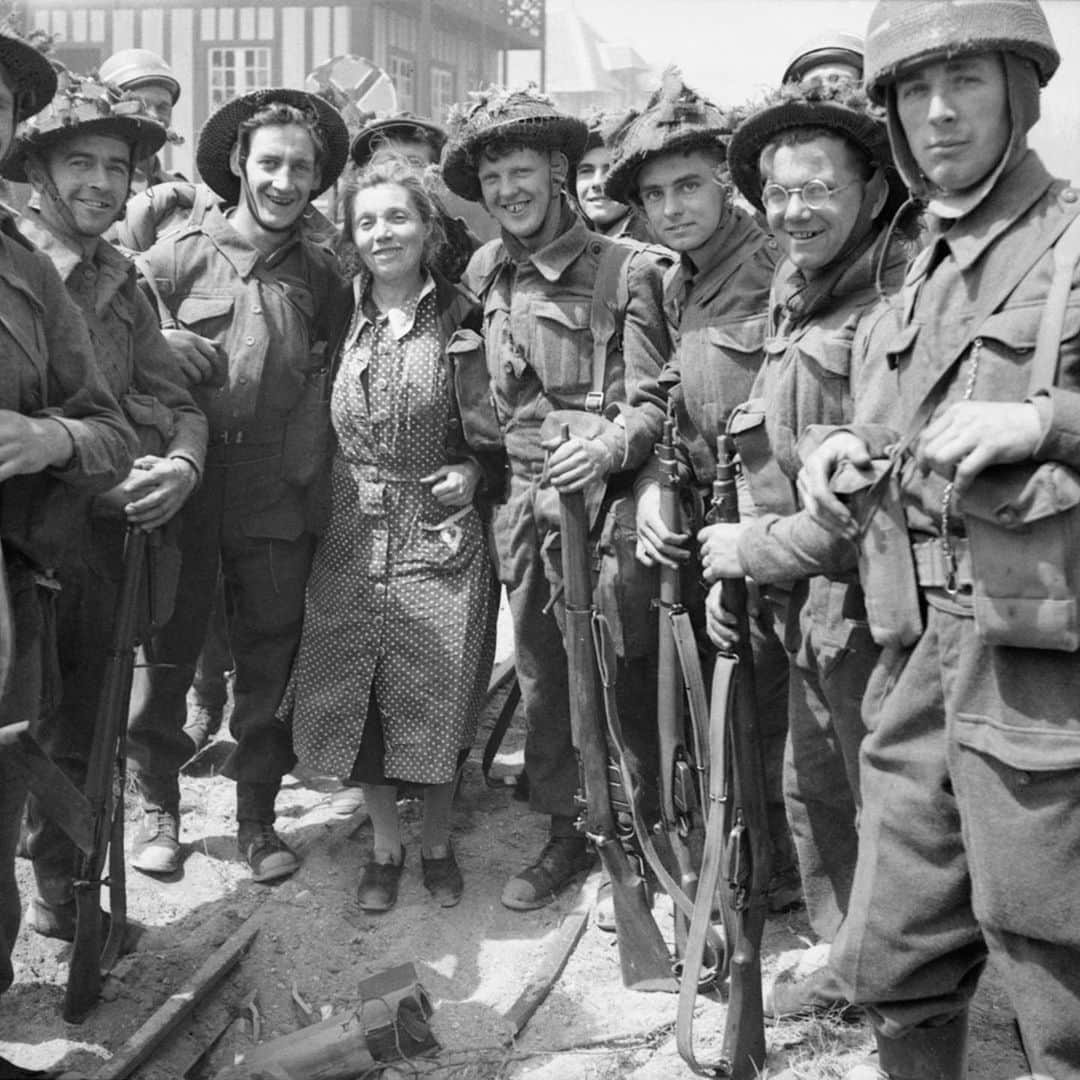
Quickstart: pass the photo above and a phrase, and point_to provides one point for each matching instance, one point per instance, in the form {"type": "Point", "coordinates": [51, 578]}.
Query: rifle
{"type": "Point", "coordinates": [643, 956]}
{"type": "Point", "coordinates": [681, 780]}
{"type": "Point", "coordinates": [737, 840]}
{"type": "Point", "coordinates": [104, 799]}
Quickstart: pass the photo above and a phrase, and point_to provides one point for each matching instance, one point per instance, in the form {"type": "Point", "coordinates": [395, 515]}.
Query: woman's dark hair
{"type": "Point", "coordinates": [278, 114]}
{"type": "Point", "coordinates": [389, 168]}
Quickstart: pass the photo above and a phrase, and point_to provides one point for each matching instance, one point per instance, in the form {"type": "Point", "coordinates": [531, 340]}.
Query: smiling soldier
{"type": "Point", "coordinates": [80, 154]}
{"type": "Point", "coordinates": [512, 151]}
{"type": "Point", "coordinates": [240, 281]}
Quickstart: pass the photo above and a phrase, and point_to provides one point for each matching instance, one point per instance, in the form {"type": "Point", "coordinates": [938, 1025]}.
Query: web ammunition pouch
{"type": "Point", "coordinates": [1023, 526]}
{"type": "Point", "coordinates": [886, 563]}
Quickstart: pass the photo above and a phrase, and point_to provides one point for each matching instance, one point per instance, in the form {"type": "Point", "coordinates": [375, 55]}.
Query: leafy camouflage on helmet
{"type": "Point", "coordinates": [498, 112]}
{"type": "Point", "coordinates": [676, 119]}
{"type": "Point", "coordinates": [837, 104]}
{"type": "Point", "coordinates": [83, 105]}
{"type": "Point", "coordinates": [903, 33]}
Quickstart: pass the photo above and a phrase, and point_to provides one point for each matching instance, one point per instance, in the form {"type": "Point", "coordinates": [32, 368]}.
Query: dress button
{"type": "Point", "coordinates": [1069, 195]}
{"type": "Point", "coordinates": [249, 340]}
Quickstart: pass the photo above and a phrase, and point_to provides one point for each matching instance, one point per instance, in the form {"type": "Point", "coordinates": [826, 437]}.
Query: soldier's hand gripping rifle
{"type": "Point", "coordinates": [737, 839]}
{"type": "Point", "coordinates": [104, 796]}
{"type": "Point", "coordinates": [643, 956]}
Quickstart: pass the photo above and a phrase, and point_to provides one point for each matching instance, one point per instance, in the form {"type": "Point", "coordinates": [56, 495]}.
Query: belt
{"type": "Point", "coordinates": [935, 570]}
{"type": "Point", "coordinates": [267, 437]}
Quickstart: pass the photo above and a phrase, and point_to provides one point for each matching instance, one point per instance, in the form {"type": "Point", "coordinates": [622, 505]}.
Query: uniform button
{"type": "Point", "coordinates": [1069, 195]}
{"type": "Point", "coordinates": [597, 248]}
{"type": "Point", "coordinates": [1006, 515]}
{"type": "Point", "coordinates": [236, 412]}
{"type": "Point", "coordinates": [249, 340]}
{"type": "Point", "coordinates": [508, 367]}
{"type": "Point", "coordinates": [256, 310]}
{"type": "Point", "coordinates": [88, 271]}
{"type": "Point", "coordinates": [242, 379]}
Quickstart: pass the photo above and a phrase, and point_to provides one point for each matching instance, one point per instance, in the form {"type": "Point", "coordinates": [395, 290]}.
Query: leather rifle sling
{"type": "Point", "coordinates": [712, 864]}
{"type": "Point", "coordinates": [605, 662]}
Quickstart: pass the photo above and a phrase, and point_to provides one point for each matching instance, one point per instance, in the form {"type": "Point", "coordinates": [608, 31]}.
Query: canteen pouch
{"type": "Point", "coordinates": [1023, 526]}
{"type": "Point", "coordinates": [886, 564]}
{"type": "Point", "coordinates": [308, 437]}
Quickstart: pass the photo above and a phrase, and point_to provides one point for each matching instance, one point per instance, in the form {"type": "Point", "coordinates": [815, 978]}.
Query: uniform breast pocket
{"type": "Point", "coordinates": [561, 350]}
{"type": "Point", "coordinates": [740, 345]}
{"type": "Point", "coordinates": [208, 316]}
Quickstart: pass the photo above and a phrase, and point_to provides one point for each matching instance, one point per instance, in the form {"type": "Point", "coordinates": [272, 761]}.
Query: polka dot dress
{"type": "Point", "coordinates": [400, 594]}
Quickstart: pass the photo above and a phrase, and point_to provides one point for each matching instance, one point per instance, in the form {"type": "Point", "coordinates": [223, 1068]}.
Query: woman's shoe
{"type": "Point", "coordinates": [442, 877]}
{"type": "Point", "coordinates": [379, 882]}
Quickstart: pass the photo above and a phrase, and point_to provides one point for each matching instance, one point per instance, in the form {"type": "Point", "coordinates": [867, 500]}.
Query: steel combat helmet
{"type": "Point", "coordinates": [904, 33]}
{"type": "Point", "coordinates": [131, 68]}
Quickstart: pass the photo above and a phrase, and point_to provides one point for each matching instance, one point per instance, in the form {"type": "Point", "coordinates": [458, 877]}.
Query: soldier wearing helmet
{"type": "Point", "coordinates": [147, 76]}
{"type": "Point", "coordinates": [826, 56]}
{"type": "Point", "coordinates": [62, 435]}
{"type": "Point", "coordinates": [79, 154]}
{"type": "Point", "coordinates": [241, 287]}
{"type": "Point", "coordinates": [969, 395]}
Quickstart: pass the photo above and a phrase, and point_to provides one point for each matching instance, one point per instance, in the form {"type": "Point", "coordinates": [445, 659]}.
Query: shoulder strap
{"type": "Point", "coordinates": [1048, 344]}
{"type": "Point", "coordinates": [611, 294]}
{"type": "Point", "coordinates": [146, 273]}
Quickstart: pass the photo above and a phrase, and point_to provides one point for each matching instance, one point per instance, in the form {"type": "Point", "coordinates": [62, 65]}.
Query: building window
{"type": "Point", "coordinates": [442, 92]}
{"type": "Point", "coordinates": [402, 70]}
{"type": "Point", "coordinates": [237, 71]}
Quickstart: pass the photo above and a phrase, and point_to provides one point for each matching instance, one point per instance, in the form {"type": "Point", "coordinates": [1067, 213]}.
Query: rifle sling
{"type": "Point", "coordinates": [682, 631]}
{"type": "Point", "coordinates": [723, 689]}
{"type": "Point", "coordinates": [61, 800]}
{"type": "Point", "coordinates": [605, 662]}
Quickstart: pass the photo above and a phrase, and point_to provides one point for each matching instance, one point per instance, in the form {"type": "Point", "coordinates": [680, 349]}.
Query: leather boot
{"type": "Point", "coordinates": [926, 1053]}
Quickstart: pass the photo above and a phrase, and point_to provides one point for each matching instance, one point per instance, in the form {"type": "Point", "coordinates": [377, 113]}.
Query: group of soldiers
{"type": "Point", "coordinates": [867, 280]}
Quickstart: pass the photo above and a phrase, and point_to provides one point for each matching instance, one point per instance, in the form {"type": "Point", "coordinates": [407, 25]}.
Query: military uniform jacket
{"type": "Point", "coordinates": [717, 308]}
{"type": "Point", "coordinates": [135, 359]}
{"type": "Point", "coordinates": [805, 380]}
{"type": "Point", "coordinates": [540, 347]}
{"type": "Point", "coordinates": [48, 370]}
{"type": "Point", "coordinates": [271, 320]}
{"type": "Point", "coordinates": [940, 329]}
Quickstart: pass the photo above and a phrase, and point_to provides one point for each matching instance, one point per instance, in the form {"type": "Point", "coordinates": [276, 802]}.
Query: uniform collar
{"type": "Point", "coordinates": [1014, 194]}
{"type": "Point", "coordinates": [553, 260]}
{"type": "Point", "coordinates": [110, 264]}
{"type": "Point", "coordinates": [240, 254]}
{"type": "Point", "coordinates": [735, 239]}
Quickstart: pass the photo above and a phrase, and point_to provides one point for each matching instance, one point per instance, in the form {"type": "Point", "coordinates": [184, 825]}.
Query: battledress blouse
{"type": "Point", "coordinates": [397, 609]}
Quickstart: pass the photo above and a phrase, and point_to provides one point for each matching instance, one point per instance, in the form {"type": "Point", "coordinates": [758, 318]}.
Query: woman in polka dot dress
{"type": "Point", "coordinates": [398, 641]}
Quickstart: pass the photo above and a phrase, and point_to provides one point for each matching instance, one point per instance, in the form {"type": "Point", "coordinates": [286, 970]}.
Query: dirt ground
{"type": "Point", "coordinates": [314, 944]}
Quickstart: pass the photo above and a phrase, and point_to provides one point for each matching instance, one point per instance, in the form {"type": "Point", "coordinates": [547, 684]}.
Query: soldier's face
{"type": "Point", "coordinates": [682, 199]}
{"type": "Point", "coordinates": [416, 152]}
{"type": "Point", "coordinates": [281, 172]}
{"type": "Point", "coordinates": [955, 114]}
{"type": "Point", "coordinates": [812, 238]}
{"type": "Point", "coordinates": [158, 101]}
{"type": "Point", "coordinates": [518, 189]}
{"type": "Point", "coordinates": [91, 174]}
{"type": "Point", "coordinates": [7, 115]}
{"type": "Point", "coordinates": [589, 188]}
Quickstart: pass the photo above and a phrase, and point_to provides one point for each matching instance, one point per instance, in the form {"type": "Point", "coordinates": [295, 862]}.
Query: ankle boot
{"type": "Point", "coordinates": [926, 1053]}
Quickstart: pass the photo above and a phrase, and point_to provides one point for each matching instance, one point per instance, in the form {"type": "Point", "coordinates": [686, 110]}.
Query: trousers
{"type": "Point", "coordinates": [969, 839]}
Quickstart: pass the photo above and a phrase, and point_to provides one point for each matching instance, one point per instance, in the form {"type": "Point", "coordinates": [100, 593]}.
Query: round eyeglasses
{"type": "Point", "coordinates": [815, 194]}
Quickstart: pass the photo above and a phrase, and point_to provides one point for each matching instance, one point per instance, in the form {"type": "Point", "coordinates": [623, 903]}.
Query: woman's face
{"type": "Point", "coordinates": [388, 232]}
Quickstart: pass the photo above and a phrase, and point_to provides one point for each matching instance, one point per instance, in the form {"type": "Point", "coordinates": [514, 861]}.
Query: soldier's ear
{"type": "Point", "coordinates": [560, 168]}
{"type": "Point", "coordinates": [234, 160]}
{"type": "Point", "coordinates": [877, 190]}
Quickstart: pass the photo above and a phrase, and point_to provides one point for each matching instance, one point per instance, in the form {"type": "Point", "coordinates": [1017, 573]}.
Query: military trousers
{"type": "Point", "coordinates": [969, 839]}
{"type": "Point", "coordinates": [829, 671]}
{"type": "Point", "coordinates": [264, 586]}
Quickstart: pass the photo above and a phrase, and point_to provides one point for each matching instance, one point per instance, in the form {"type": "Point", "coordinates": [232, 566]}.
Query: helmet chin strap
{"type": "Point", "coordinates": [253, 209]}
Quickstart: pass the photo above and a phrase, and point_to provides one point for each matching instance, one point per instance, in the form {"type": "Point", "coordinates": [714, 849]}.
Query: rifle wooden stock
{"type": "Point", "coordinates": [747, 848]}
{"type": "Point", "coordinates": [104, 794]}
{"type": "Point", "coordinates": [643, 956]}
